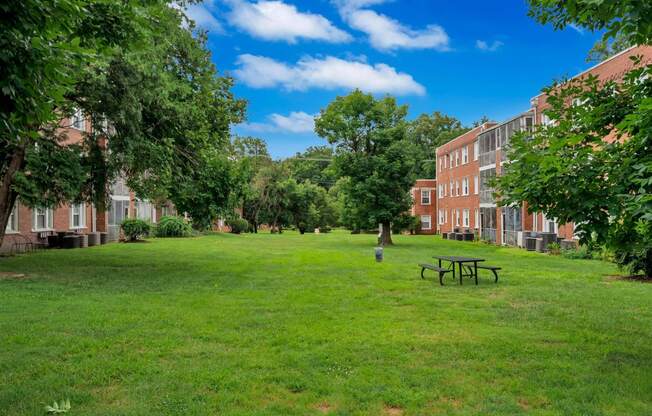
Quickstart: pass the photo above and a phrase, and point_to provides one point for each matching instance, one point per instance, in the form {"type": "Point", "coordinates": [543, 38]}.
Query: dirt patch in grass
{"type": "Point", "coordinates": [12, 276]}
{"type": "Point", "coordinates": [635, 278]}
{"type": "Point", "coordinates": [392, 411]}
{"type": "Point", "coordinates": [324, 408]}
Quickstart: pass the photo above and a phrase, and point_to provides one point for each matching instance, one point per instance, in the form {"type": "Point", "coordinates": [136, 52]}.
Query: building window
{"type": "Point", "coordinates": [441, 191]}
{"type": "Point", "coordinates": [476, 149]}
{"type": "Point", "coordinates": [465, 218]}
{"type": "Point", "coordinates": [42, 220]}
{"type": "Point", "coordinates": [465, 186]}
{"type": "Point", "coordinates": [144, 211]}
{"type": "Point", "coordinates": [452, 215]}
{"type": "Point", "coordinates": [465, 155]}
{"type": "Point", "coordinates": [12, 225]}
{"type": "Point", "coordinates": [442, 218]}
{"type": "Point", "coordinates": [425, 197]}
{"type": "Point", "coordinates": [457, 188]}
{"type": "Point", "coordinates": [426, 223]}
{"type": "Point", "coordinates": [457, 217]}
{"type": "Point", "coordinates": [78, 216]}
{"type": "Point", "coordinates": [476, 185]}
{"type": "Point", "coordinates": [450, 161]}
{"type": "Point", "coordinates": [78, 121]}
{"type": "Point", "coordinates": [476, 222]}
{"type": "Point", "coordinates": [535, 222]}
{"type": "Point", "coordinates": [457, 158]}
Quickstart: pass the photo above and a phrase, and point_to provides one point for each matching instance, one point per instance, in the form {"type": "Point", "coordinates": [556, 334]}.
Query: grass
{"type": "Point", "coordinates": [309, 325]}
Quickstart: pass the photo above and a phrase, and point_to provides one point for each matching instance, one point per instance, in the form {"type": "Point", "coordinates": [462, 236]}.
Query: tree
{"type": "Point", "coordinates": [373, 152]}
{"type": "Point", "coordinates": [314, 165]}
{"type": "Point", "coordinates": [145, 80]}
{"type": "Point", "coordinates": [605, 49]}
{"type": "Point", "coordinates": [629, 19]}
{"type": "Point", "coordinates": [428, 132]}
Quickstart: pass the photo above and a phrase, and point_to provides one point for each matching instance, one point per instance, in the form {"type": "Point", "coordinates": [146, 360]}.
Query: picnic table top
{"type": "Point", "coordinates": [459, 259]}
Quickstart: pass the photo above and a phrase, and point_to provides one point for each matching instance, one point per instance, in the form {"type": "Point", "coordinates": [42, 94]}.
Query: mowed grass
{"type": "Point", "coordinates": [308, 325]}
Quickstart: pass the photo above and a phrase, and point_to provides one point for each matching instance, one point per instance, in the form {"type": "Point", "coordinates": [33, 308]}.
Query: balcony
{"type": "Point", "coordinates": [486, 196]}
{"type": "Point", "coordinates": [488, 158]}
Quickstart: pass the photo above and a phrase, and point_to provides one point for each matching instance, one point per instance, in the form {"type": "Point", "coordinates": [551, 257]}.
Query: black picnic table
{"type": "Point", "coordinates": [458, 260]}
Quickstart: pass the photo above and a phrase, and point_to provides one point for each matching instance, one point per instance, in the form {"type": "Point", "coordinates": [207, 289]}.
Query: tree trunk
{"type": "Point", "coordinates": [648, 264]}
{"type": "Point", "coordinates": [7, 195]}
{"type": "Point", "coordinates": [386, 234]}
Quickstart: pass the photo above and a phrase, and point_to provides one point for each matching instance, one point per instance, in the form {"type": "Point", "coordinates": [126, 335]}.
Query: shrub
{"type": "Point", "coordinates": [135, 229]}
{"type": "Point", "coordinates": [238, 225]}
{"type": "Point", "coordinates": [581, 252]}
{"type": "Point", "coordinates": [325, 229]}
{"type": "Point", "coordinates": [173, 226]}
{"type": "Point", "coordinates": [554, 249]}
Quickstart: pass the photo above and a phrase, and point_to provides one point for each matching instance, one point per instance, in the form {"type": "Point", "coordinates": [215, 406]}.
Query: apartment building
{"type": "Point", "coordinates": [504, 225]}
{"type": "Point", "coordinates": [36, 224]}
{"type": "Point", "coordinates": [458, 179]}
{"type": "Point", "coordinates": [424, 205]}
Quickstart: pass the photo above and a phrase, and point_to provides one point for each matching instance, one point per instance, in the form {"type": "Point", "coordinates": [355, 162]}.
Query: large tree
{"type": "Point", "coordinates": [428, 132]}
{"type": "Point", "coordinates": [373, 152]}
{"type": "Point", "coordinates": [141, 74]}
{"type": "Point", "coordinates": [593, 165]}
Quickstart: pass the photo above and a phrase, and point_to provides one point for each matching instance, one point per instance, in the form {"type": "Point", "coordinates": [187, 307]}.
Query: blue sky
{"type": "Point", "coordinates": [290, 58]}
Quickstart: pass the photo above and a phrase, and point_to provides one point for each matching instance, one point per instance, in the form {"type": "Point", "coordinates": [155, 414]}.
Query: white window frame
{"type": "Point", "coordinates": [77, 121]}
{"type": "Point", "coordinates": [441, 217]}
{"type": "Point", "coordinates": [429, 222]}
{"type": "Point", "coordinates": [466, 220]}
{"type": "Point", "coordinates": [457, 188]}
{"type": "Point", "coordinates": [12, 224]}
{"type": "Point", "coordinates": [465, 186]}
{"type": "Point", "coordinates": [78, 210]}
{"type": "Point", "coordinates": [457, 157]}
{"type": "Point", "coordinates": [476, 185]}
{"type": "Point", "coordinates": [49, 218]}
{"type": "Point", "coordinates": [476, 149]}
{"type": "Point", "coordinates": [476, 222]}
{"type": "Point", "coordinates": [425, 192]}
{"type": "Point", "coordinates": [465, 155]}
{"type": "Point", "coordinates": [450, 160]}
{"type": "Point", "coordinates": [457, 217]}
{"type": "Point", "coordinates": [440, 191]}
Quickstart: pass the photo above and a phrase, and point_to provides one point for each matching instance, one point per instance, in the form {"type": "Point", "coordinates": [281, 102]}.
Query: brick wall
{"type": "Point", "coordinates": [422, 207]}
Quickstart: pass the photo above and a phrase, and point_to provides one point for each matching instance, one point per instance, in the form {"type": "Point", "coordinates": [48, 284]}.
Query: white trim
{"type": "Point", "coordinates": [15, 223]}
{"type": "Point", "coordinates": [487, 167]}
{"type": "Point", "coordinates": [49, 220]}
{"type": "Point", "coordinates": [82, 216]}
{"type": "Point", "coordinates": [429, 192]}
{"type": "Point", "coordinates": [429, 222]}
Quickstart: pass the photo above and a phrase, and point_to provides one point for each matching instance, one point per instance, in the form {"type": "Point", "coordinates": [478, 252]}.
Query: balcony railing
{"type": "Point", "coordinates": [488, 234]}
{"type": "Point", "coordinates": [488, 158]}
{"type": "Point", "coordinates": [486, 196]}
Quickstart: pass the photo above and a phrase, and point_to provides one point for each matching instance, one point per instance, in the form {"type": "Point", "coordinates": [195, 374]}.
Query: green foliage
{"type": "Point", "coordinates": [173, 226]}
{"type": "Point", "coordinates": [58, 408]}
{"type": "Point", "coordinates": [406, 222]}
{"type": "Point", "coordinates": [135, 229]}
{"type": "Point", "coordinates": [313, 165]}
{"type": "Point", "coordinates": [554, 249]}
{"type": "Point", "coordinates": [604, 48]}
{"type": "Point", "coordinates": [569, 171]}
{"type": "Point", "coordinates": [238, 225]}
{"type": "Point", "coordinates": [581, 252]}
{"type": "Point", "coordinates": [630, 18]}
{"type": "Point", "coordinates": [428, 132]}
{"type": "Point", "coordinates": [372, 151]}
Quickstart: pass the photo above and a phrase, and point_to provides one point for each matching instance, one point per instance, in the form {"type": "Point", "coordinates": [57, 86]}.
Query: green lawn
{"type": "Point", "coordinates": [300, 325]}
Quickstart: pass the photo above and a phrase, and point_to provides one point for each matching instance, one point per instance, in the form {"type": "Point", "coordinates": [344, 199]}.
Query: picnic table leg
{"type": "Point", "coordinates": [461, 274]}
{"type": "Point", "coordinates": [475, 267]}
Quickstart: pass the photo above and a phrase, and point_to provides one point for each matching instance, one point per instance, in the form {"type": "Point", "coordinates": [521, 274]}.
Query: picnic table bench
{"type": "Point", "coordinates": [458, 264]}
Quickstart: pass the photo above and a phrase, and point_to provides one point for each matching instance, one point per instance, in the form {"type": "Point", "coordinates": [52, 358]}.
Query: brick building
{"type": "Point", "coordinates": [36, 224]}
{"type": "Point", "coordinates": [424, 204]}
{"type": "Point", "coordinates": [458, 178]}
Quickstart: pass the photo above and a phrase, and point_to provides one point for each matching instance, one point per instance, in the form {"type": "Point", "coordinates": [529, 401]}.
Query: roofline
{"type": "Point", "coordinates": [465, 133]}
{"type": "Point", "coordinates": [594, 67]}
{"type": "Point", "coordinates": [509, 120]}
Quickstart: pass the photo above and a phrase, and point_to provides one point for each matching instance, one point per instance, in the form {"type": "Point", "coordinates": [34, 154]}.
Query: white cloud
{"type": "Point", "coordinates": [276, 20]}
{"type": "Point", "coordinates": [576, 28]}
{"type": "Point", "coordinates": [387, 34]}
{"type": "Point", "coordinates": [202, 15]}
{"type": "Point", "coordinates": [487, 47]}
{"type": "Point", "coordinates": [327, 73]}
{"type": "Point", "coordinates": [295, 122]}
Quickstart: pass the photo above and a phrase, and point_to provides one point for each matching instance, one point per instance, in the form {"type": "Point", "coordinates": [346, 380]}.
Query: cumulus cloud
{"type": "Point", "coordinates": [488, 47]}
{"type": "Point", "coordinates": [295, 122]}
{"type": "Point", "coordinates": [327, 73]}
{"type": "Point", "coordinates": [276, 20]}
{"type": "Point", "coordinates": [387, 34]}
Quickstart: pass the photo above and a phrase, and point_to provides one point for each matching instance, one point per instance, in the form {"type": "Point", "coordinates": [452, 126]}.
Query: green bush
{"type": "Point", "coordinates": [581, 252]}
{"type": "Point", "coordinates": [406, 222]}
{"type": "Point", "coordinates": [238, 225]}
{"type": "Point", "coordinates": [554, 249]}
{"type": "Point", "coordinates": [173, 226]}
{"type": "Point", "coordinates": [325, 229]}
{"type": "Point", "coordinates": [135, 229]}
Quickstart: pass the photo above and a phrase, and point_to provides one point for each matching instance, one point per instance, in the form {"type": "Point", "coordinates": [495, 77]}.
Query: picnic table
{"type": "Point", "coordinates": [458, 261]}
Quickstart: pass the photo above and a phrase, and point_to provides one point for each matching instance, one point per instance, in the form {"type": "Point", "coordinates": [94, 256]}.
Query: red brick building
{"type": "Point", "coordinates": [458, 178]}
{"type": "Point", "coordinates": [36, 224]}
{"type": "Point", "coordinates": [424, 205]}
